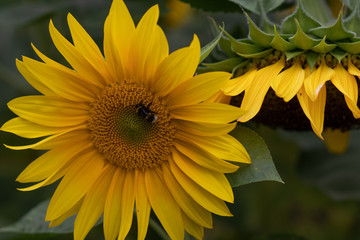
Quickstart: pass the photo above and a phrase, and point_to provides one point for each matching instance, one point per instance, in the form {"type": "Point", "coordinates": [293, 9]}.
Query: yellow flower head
{"type": "Point", "coordinates": [131, 129]}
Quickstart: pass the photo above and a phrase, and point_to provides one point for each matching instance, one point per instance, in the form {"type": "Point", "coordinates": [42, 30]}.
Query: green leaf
{"type": "Point", "coordinates": [262, 167]}
{"type": "Point", "coordinates": [312, 58]}
{"type": "Point", "coordinates": [206, 50]}
{"type": "Point", "coordinates": [254, 5]}
{"type": "Point", "coordinates": [338, 54]}
{"type": "Point", "coordinates": [323, 47]}
{"type": "Point", "coordinates": [227, 65]}
{"type": "Point", "coordinates": [33, 222]}
{"type": "Point", "coordinates": [280, 43]}
{"type": "Point", "coordinates": [301, 40]}
{"type": "Point", "coordinates": [335, 32]}
{"type": "Point", "coordinates": [257, 35]}
{"type": "Point", "coordinates": [353, 47]}
{"type": "Point", "coordinates": [305, 20]}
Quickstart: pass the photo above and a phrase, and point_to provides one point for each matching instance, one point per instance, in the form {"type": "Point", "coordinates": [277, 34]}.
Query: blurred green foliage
{"type": "Point", "coordinates": [320, 197]}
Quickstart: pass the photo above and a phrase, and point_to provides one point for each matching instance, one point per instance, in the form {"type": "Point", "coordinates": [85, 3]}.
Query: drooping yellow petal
{"type": "Point", "coordinates": [72, 211]}
{"type": "Point", "coordinates": [33, 80]}
{"type": "Point", "coordinates": [27, 129]}
{"type": "Point", "coordinates": [316, 80]}
{"type": "Point", "coordinates": [65, 83]}
{"type": "Point", "coordinates": [112, 206]}
{"type": "Point", "coordinates": [192, 228]}
{"type": "Point", "coordinates": [164, 205]}
{"type": "Point", "coordinates": [200, 195]}
{"type": "Point", "coordinates": [196, 89]}
{"type": "Point", "coordinates": [223, 147]}
{"type": "Point", "coordinates": [346, 83]}
{"type": "Point", "coordinates": [79, 178]}
{"type": "Point", "coordinates": [314, 110]}
{"type": "Point", "coordinates": [75, 57]}
{"type": "Point", "coordinates": [219, 97]}
{"type": "Point", "coordinates": [53, 160]}
{"type": "Point", "coordinates": [50, 111]}
{"type": "Point", "coordinates": [336, 140]}
{"type": "Point", "coordinates": [206, 112]}
{"type": "Point", "coordinates": [214, 182]}
{"type": "Point", "coordinates": [256, 91]}
{"type": "Point", "coordinates": [204, 158]}
{"type": "Point", "coordinates": [118, 31]}
{"type": "Point", "coordinates": [93, 205]}
{"type": "Point", "coordinates": [204, 129]}
{"type": "Point", "coordinates": [196, 212]}
{"type": "Point", "coordinates": [289, 82]}
{"type": "Point", "coordinates": [127, 204]}
{"type": "Point", "coordinates": [176, 68]}
{"type": "Point", "coordinates": [237, 85]}
{"type": "Point", "coordinates": [142, 205]}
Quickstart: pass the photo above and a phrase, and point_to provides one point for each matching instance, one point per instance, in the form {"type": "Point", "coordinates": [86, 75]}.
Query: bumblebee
{"type": "Point", "coordinates": [145, 112]}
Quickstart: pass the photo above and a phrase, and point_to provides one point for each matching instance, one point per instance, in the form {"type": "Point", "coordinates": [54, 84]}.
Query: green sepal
{"type": "Point", "coordinates": [335, 32]}
{"type": "Point", "coordinates": [241, 65]}
{"type": "Point", "coordinates": [280, 43]}
{"type": "Point", "coordinates": [206, 50]}
{"type": "Point", "coordinates": [255, 5]}
{"type": "Point", "coordinates": [243, 46]}
{"type": "Point", "coordinates": [262, 167]}
{"type": "Point", "coordinates": [319, 10]}
{"type": "Point", "coordinates": [301, 40]}
{"type": "Point", "coordinates": [312, 58]}
{"type": "Point", "coordinates": [257, 35]}
{"type": "Point", "coordinates": [258, 54]}
{"type": "Point", "coordinates": [226, 65]}
{"type": "Point", "coordinates": [225, 44]}
{"type": "Point", "coordinates": [338, 54]}
{"type": "Point", "coordinates": [305, 20]}
{"type": "Point", "coordinates": [353, 47]}
{"type": "Point", "coordinates": [292, 54]}
{"type": "Point", "coordinates": [352, 22]}
{"type": "Point", "coordinates": [323, 47]}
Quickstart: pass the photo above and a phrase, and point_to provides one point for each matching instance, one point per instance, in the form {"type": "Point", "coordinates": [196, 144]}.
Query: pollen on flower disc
{"type": "Point", "coordinates": [127, 138]}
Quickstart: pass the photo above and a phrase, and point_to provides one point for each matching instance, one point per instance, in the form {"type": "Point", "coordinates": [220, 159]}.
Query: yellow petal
{"type": "Point", "coordinates": [200, 195]}
{"type": "Point", "coordinates": [219, 97]}
{"type": "Point", "coordinates": [204, 129]}
{"type": "Point", "coordinates": [79, 178]}
{"type": "Point", "coordinates": [65, 83]}
{"type": "Point", "coordinates": [206, 112]}
{"type": "Point", "coordinates": [352, 69]}
{"type": "Point", "coordinates": [192, 228]}
{"type": "Point", "coordinates": [176, 68]}
{"type": "Point", "coordinates": [118, 31]}
{"type": "Point", "coordinates": [214, 182]}
{"type": "Point", "coordinates": [50, 111]}
{"type": "Point", "coordinates": [75, 57]}
{"type": "Point", "coordinates": [314, 110]}
{"type": "Point", "coordinates": [27, 129]}
{"type": "Point", "coordinates": [127, 204]}
{"type": "Point", "coordinates": [164, 205]}
{"type": "Point", "coordinates": [53, 160]}
{"type": "Point", "coordinates": [336, 140]}
{"type": "Point", "coordinates": [112, 206]}
{"type": "Point", "coordinates": [289, 82]}
{"type": "Point", "coordinates": [223, 147]}
{"type": "Point", "coordinates": [346, 83]}
{"type": "Point", "coordinates": [196, 212]}
{"type": "Point", "coordinates": [142, 205]}
{"type": "Point", "coordinates": [88, 48]}
{"type": "Point", "coordinates": [237, 85]}
{"type": "Point", "coordinates": [33, 80]}
{"type": "Point", "coordinates": [93, 205]}
{"type": "Point", "coordinates": [257, 89]}
{"type": "Point", "coordinates": [204, 158]}
{"type": "Point", "coordinates": [197, 89]}
{"type": "Point", "coordinates": [316, 80]}
{"type": "Point", "coordinates": [72, 211]}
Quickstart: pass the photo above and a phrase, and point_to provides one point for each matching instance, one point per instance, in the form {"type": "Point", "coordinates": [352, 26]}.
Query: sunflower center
{"type": "Point", "coordinates": [131, 127]}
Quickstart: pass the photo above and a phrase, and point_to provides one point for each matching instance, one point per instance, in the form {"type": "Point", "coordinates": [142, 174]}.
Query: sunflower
{"type": "Point", "coordinates": [129, 130]}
